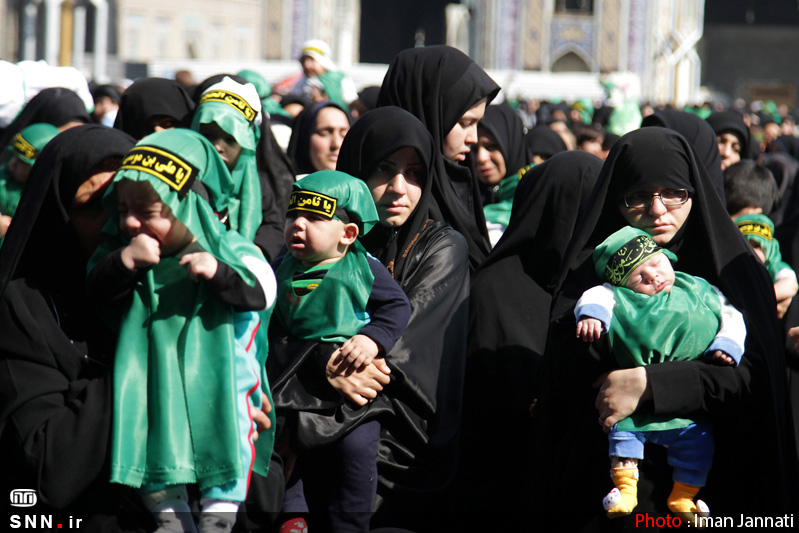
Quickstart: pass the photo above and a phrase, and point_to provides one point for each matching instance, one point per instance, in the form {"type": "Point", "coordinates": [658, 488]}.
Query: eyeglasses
{"type": "Point", "coordinates": [669, 197]}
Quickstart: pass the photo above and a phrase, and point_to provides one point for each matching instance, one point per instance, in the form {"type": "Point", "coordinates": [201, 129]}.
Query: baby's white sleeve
{"type": "Point", "coordinates": [597, 302]}
{"type": "Point", "coordinates": [732, 330]}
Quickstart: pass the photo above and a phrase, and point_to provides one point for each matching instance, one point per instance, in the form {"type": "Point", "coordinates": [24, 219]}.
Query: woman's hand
{"type": "Point", "coordinates": [361, 386]}
{"type": "Point", "coordinates": [620, 394]}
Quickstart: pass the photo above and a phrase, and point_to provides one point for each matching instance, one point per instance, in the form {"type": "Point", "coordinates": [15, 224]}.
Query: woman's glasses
{"type": "Point", "coordinates": [669, 197]}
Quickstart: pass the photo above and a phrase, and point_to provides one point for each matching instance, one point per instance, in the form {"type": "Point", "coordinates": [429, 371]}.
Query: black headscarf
{"type": "Point", "coordinates": [150, 97]}
{"type": "Point", "coordinates": [507, 128]}
{"type": "Point", "coordinates": [374, 137]}
{"type": "Point", "coordinates": [544, 141]}
{"type": "Point", "coordinates": [509, 317]}
{"type": "Point", "coordinates": [732, 122]}
{"type": "Point", "coordinates": [56, 106]}
{"type": "Point", "coordinates": [40, 243]}
{"type": "Point", "coordinates": [752, 395]}
{"type": "Point", "coordinates": [438, 84]}
{"type": "Point", "coordinates": [303, 127]}
{"type": "Point", "coordinates": [700, 134]}
{"type": "Point", "coordinates": [524, 265]}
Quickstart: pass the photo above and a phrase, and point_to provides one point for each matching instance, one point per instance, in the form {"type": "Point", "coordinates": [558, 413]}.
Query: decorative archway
{"type": "Point", "coordinates": [570, 62]}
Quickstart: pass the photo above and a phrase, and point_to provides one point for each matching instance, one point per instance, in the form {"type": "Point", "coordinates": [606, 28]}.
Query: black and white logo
{"type": "Point", "coordinates": [23, 498]}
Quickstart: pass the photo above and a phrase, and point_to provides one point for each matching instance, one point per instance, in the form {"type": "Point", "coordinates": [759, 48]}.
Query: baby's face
{"type": "Point", "coordinates": [759, 252]}
{"type": "Point", "coordinates": [652, 276]}
{"type": "Point", "coordinates": [314, 239]}
{"type": "Point", "coordinates": [142, 211]}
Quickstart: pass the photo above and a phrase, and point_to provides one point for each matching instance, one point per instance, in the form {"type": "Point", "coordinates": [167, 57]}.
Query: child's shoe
{"type": "Point", "coordinates": [170, 522]}
{"type": "Point", "coordinates": [217, 522]}
{"type": "Point", "coordinates": [622, 500]}
{"type": "Point", "coordinates": [681, 503]}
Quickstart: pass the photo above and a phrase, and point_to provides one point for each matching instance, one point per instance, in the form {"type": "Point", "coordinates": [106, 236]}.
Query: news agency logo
{"type": "Point", "coordinates": [23, 498]}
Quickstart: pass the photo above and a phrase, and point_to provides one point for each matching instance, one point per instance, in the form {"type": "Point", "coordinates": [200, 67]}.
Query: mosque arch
{"type": "Point", "coordinates": [570, 61]}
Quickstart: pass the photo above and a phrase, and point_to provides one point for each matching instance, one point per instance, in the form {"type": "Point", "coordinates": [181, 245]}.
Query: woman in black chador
{"type": "Point", "coordinates": [447, 92]}
{"type": "Point", "coordinates": [747, 404]}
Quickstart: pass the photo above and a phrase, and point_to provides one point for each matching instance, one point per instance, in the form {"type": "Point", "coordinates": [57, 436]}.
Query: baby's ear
{"type": "Point", "coordinates": [350, 233]}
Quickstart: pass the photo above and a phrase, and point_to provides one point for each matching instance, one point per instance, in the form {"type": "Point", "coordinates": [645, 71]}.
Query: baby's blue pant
{"type": "Point", "coordinates": [690, 449]}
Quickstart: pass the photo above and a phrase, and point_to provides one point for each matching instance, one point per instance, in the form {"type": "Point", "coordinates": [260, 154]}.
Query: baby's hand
{"type": "Point", "coordinates": [358, 352]}
{"type": "Point", "coordinates": [142, 252]}
{"type": "Point", "coordinates": [722, 357]}
{"type": "Point", "coordinates": [589, 329]}
{"type": "Point", "coordinates": [200, 265]}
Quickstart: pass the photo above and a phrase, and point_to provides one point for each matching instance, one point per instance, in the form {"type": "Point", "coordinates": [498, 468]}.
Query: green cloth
{"type": "Point", "coordinates": [331, 81]}
{"type": "Point", "coordinates": [329, 307]}
{"type": "Point", "coordinates": [670, 326]}
{"type": "Point", "coordinates": [264, 89]}
{"type": "Point", "coordinates": [245, 212]}
{"type": "Point", "coordinates": [499, 212]}
{"type": "Point", "coordinates": [10, 191]}
{"type": "Point", "coordinates": [28, 143]}
{"type": "Point", "coordinates": [174, 376]}
{"type": "Point", "coordinates": [760, 229]}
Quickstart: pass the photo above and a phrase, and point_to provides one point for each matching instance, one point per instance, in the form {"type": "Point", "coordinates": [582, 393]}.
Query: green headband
{"type": "Point", "coordinates": [28, 143]}
{"type": "Point", "coordinates": [335, 194]}
{"type": "Point", "coordinates": [621, 253]}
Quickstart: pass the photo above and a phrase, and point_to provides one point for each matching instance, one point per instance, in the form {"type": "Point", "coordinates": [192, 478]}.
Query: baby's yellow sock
{"type": "Point", "coordinates": [681, 501]}
{"type": "Point", "coordinates": [626, 480]}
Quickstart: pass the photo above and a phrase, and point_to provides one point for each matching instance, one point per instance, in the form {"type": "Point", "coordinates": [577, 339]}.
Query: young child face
{"type": "Point", "coordinates": [142, 211]}
{"type": "Point", "coordinates": [759, 252]}
{"type": "Point", "coordinates": [314, 239]}
{"type": "Point", "coordinates": [652, 276]}
{"type": "Point", "coordinates": [224, 143]}
{"type": "Point", "coordinates": [19, 169]}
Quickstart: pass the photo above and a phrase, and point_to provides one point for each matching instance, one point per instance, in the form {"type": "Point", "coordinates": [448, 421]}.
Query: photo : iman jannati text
{"type": "Point", "coordinates": [744, 521]}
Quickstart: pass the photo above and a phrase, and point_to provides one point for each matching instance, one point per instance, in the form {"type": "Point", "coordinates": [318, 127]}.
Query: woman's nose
{"type": "Point", "coordinates": [658, 207]}
{"type": "Point", "coordinates": [398, 184]}
{"type": "Point", "coordinates": [482, 154]}
{"type": "Point", "coordinates": [471, 134]}
{"type": "Point", "coordinates": [335, 141]}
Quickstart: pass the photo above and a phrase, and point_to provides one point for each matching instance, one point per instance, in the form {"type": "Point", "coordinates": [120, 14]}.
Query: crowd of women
{"type": "Point", "coordinates": [493, 413]}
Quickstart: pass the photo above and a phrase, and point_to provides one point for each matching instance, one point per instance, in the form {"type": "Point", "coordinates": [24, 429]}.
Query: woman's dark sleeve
{"type": "Point", "coordinates": [110, 281]}
{"type": "Point", "coordinates": [229, 288]}
{"type": "Point", "coordinates": [685, 387]}
{"type": "Point", "coordinates": [55, 404]}
{"type": "Point", "coordinates": [269, 235]}
{"type": "Point", "coordinates": [429, 359]}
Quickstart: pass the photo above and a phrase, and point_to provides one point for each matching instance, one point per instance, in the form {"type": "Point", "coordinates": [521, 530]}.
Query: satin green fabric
{"type": "Point", "coordinates": [331, 81]}
{"type": "Point", "coordinates": [10, 192]}
{"type": "Point", "coordinates": [245, 212]}
{"type": "Point", "coordinates": [174, 375]}
{"type": "Point", "coordinates": [333, 311]}
{"type": "Point", "coordinates": [499, 212]}
{"type": "Point", "coordinates": [670, 326]}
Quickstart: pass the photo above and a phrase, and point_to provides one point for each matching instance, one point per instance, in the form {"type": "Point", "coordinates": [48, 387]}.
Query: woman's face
{"type": "Point", "coordinates": [490, 161]}
{"type": "Point", "coordinates": [729, 148]}
{"type": "Point", "coordinates": [463, 135]}
{"type": "Point", "coordinates": [396, 184]}
{"type": "Point", "coordinates": [331, 127]}
{"type": "Point", "coordinates": [661, 222]}
{"type": "Point", "coordinates": [87, 214]}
